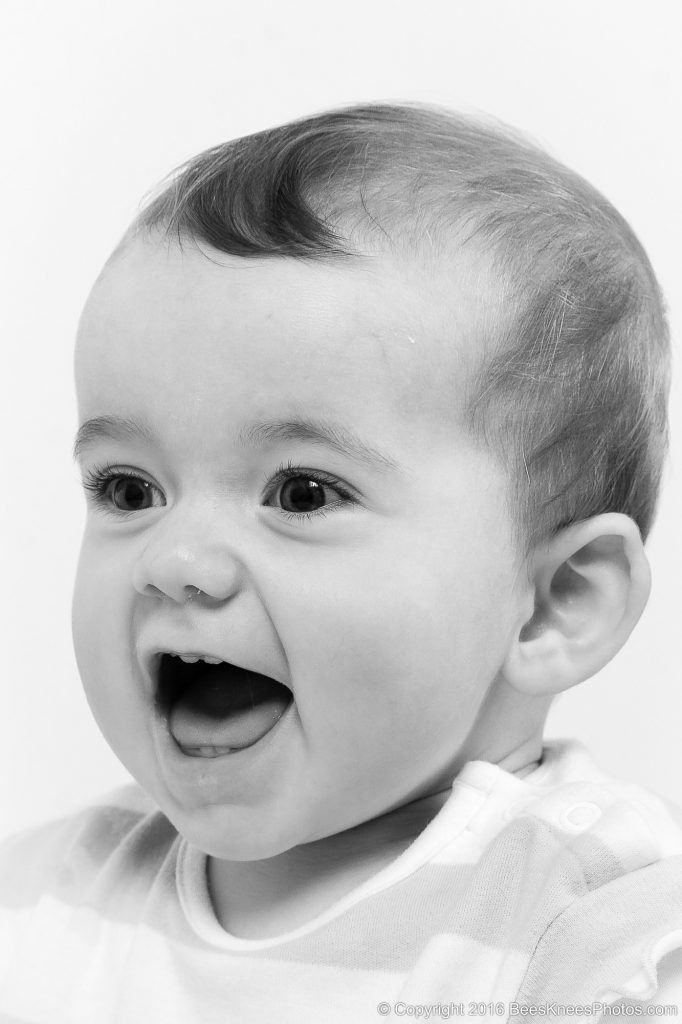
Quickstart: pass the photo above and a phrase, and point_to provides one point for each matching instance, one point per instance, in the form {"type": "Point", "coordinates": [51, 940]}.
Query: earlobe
{"type": "Point", "coordinates": [591, 584]}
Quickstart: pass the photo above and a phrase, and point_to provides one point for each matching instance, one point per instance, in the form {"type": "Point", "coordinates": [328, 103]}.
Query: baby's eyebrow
{"type": "Point", "coordinates": [117, 428]}
{"type": "Point", "coordinates": [261, 434]}
{"type": "Point", "coordinates": [331, 435]}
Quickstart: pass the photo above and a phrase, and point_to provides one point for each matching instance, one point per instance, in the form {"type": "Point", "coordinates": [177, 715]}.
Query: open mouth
{"type": "Point", "coordinates": [215, 709]}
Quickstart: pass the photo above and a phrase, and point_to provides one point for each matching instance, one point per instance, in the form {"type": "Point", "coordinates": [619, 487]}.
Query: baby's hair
{"type": "Point", "coordinates": [571, 392]}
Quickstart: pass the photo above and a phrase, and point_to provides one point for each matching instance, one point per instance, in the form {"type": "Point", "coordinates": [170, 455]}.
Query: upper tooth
{"type": "Point", "coordinates": [192, 661]}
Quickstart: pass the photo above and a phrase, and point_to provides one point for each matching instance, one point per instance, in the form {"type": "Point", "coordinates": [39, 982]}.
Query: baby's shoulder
{"type": "Point", "coordinates": [596, 815]}
{"type": "Point", "coordinates": [618, 911]}
{"type": "Point", "coordinates": [120, 832]}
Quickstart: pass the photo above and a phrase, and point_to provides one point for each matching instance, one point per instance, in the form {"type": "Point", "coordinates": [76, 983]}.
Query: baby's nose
{"type": "Point", "coordinates": [183, 574]}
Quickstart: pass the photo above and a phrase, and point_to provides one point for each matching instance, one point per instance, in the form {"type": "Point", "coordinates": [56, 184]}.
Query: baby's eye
{"type": "Point", "coordinates": [119, 490]}
{"type": "Point", "coordinates": [300, 494]}
{"type": "Point", "coordinates": [131, 492]}
{"type": "Point", "coordinates": [303, 494]}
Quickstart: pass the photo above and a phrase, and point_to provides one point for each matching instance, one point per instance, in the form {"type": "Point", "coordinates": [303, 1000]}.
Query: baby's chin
{"type": "Point", "coordinates": [240, 833]}
{"type": "Point", "coordinates": [243, 849]}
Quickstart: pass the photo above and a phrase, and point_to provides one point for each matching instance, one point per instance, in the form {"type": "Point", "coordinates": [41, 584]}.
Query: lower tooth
{"type": "Point", "coordinates": [207, 751]}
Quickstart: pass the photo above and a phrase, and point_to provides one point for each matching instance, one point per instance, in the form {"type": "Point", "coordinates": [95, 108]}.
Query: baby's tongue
{"type": "Point", "coordinates": [227, 706]}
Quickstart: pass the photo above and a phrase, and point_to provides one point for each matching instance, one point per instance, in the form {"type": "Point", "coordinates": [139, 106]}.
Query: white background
{"type": "Point", "coordinates": [102, 99]}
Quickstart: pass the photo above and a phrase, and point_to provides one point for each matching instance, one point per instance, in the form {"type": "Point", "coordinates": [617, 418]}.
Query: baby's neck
{"type": "Point", "coordinates": [259, 899]}
{"type": "Point", "coordinates": [263, 898]}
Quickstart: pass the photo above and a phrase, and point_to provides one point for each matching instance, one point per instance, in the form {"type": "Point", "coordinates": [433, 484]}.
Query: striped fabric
{"type": "Point", "coordinates": [560, 889]}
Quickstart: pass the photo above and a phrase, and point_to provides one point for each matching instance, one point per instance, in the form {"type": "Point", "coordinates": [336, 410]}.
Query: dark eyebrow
{"type": "Point", "coordinates": [118, 428]}
{"type": "Point", "coordinates": [333, 435]}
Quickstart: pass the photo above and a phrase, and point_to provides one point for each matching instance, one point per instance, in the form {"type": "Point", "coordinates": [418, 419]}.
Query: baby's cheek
{"type": "Point", "coordinates": [85, 617]}
{"type": "Point", "coordinates": [101, 631]}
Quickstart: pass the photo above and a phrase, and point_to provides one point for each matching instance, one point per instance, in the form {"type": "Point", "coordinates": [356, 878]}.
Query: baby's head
{"type": "Point", "coordinates": [372, 409]}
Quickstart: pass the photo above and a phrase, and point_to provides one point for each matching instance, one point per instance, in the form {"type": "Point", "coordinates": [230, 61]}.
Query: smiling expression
{"type": "Point", "coordinates": [297, 458]}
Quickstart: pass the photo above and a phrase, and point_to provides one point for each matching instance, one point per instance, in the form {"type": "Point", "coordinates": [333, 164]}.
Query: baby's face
{"type": "Point", "coordinates": [305, 470]}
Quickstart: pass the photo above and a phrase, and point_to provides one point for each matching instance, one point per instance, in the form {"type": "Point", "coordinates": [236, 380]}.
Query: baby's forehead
{"type": "Point", "coordinates": [418, 321]}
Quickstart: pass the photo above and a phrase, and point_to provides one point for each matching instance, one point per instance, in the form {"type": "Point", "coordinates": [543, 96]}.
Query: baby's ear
{"type": "Point", "coordinates": [591, 584]}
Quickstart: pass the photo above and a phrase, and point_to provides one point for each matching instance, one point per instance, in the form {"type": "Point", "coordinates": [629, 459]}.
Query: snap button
{"type": "Point", "coordinates": [581, 815]}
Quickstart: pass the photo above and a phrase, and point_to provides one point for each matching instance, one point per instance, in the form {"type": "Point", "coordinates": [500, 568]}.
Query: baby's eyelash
{"type": "Point", "coordinates": [96, 479]}
{"type": "Point", "coordinates": [291, 471]}
{"type": "Point", "coordinates": [296, 517]}
{"type": "Point", "coordinates": [286, 472]}
{"type": "Point", "coordinates": [96, 482]}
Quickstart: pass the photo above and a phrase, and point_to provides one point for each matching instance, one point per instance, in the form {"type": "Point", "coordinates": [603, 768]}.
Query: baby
{"type": "Point", "coordinates": [372, 418]}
